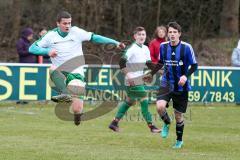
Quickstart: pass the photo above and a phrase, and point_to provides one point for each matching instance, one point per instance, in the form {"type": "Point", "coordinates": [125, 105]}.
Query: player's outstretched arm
{"type": "Point", "coordinates": [105, 40]}
{"type": "Point", "coordinates": [35, 49]}
{"type": "Point", "coordinates": [151, 65]}
{"type": "Point", "coordinates": [156, 68]}
{"type": "Point", "coordinates": [148, 77]}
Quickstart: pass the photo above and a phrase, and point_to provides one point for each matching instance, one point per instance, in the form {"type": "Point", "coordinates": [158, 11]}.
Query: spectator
{"type": "Point", "coordinates": [236, 59]}
{"type": "Point", "coordinates": [42, 32]}
{"type": "Point", "coordinates": [45, 58]}
{"type": "Point", "coordinates": [160, 36]}
{"type": "Point", "coordinates": [22, 47]}
{"type": "Point", "coordinates": [236, 56]}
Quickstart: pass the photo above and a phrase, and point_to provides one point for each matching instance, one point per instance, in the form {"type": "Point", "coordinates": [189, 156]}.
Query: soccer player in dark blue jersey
{"type": "Point", "coordinates": [175, 56]}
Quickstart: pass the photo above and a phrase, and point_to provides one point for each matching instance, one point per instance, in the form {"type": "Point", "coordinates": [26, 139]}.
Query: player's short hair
{"type": "Point", "coordinates": [174, 25]}
{"type": "Point", "coordinates": [63, 14]}
{"type": "Point", "coordinates": [138, 29]}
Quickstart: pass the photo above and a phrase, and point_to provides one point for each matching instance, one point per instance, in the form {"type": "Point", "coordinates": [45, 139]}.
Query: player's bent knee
{"type": "Point", "coordinates": [52, 68]}
{"type": "Point", "coordinates": [161, 105]}
{"type": "Point", "coordinates": [130, 101]}
{"type": "Point", "coordinates": [144, 98]}
{"type": "Point", "coordinates": [178, 116]}
{"type": "Point", "coordinates": [76, 87]}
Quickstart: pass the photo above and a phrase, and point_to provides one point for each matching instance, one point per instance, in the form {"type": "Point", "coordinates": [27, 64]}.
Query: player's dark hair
{"type": "Point", "coordinates": [63, 14]}
{"type": "Point", "coordinates": [138, 29]}
{"type": "Point", "coordinates": [174, 25]}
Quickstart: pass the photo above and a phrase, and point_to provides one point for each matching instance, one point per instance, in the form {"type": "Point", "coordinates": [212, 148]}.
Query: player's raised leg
{"type": "Point", "coordinates": [59, 86]}
{"type": "Point", "coordinates": [77, 108]}
{"type": "Point", "coordinates": [76, 87]}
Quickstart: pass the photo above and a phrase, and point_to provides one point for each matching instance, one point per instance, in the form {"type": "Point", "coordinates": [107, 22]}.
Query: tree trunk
{"type": "Point", "coordinates": [119, 18]}
{"type": "Point", "coordinates": [158, 12]}
{"type": "Point", "coordinates": [229, 18]}
{"type": "Point", "coordinates": [16, 20]}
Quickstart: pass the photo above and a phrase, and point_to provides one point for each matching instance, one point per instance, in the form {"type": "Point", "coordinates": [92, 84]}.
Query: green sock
{"type": "Point", "coordinates": [123, 107]}
{"type": "Point", "coordinates": [58, 79]}
{"type": "Point", "coordinates": [146, 114]}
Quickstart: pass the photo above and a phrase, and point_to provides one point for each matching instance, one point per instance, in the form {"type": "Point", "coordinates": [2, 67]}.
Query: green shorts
{"type": "Point", "coordinates": [136, 92]}
{"type": "Point", "coordinates": [72, 76]}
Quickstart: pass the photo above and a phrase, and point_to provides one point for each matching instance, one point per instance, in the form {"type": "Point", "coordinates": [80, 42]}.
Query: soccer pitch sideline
{"type": "Point", "coordinates": [33, 132]}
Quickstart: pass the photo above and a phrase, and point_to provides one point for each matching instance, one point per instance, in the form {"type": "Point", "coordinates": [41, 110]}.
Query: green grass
{"type": "Point", "coordinates": [33, 132]}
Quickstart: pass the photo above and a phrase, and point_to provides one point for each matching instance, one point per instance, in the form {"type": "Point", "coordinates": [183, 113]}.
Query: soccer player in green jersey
{"type": "Point", "coordinates": [64, 44]}
{"type": "Point", "coordinates": [132, 64]}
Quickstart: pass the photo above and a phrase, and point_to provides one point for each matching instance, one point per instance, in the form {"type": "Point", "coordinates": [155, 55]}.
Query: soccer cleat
{"type": "Point", "coordinates": [153, 128]}
{"type": "Point", "coordinates": [114, 126]}
{"type": "Point", "coordinates": [77, 119]}
{"type": "Point", "coordinates": [178, 144]}
{"type": "Point", "coordinates": [165, 130]}
{"type": "Point", "coordinates": [62, 98]}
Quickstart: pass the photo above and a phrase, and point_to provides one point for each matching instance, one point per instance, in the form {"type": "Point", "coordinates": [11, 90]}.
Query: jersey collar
{"type": "Point", "coordinates": [62, 34]}
{"type": "Point", "coordinates": [176, 45]}
{"type": "Point", "coordinates": [139, 45]}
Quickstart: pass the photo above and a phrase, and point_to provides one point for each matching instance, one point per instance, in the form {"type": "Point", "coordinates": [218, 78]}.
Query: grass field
{"type": "Point", "coordinates": [33, 132]}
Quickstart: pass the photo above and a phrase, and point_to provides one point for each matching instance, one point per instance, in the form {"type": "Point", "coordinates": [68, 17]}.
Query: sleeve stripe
{"type": "Point", "coordinates": [191, 50]}
{"type": "Point", "coordinates": [193, 55]}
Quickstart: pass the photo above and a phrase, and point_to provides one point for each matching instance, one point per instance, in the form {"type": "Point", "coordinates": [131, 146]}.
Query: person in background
{"type": "Point", "coordinates": [154, 45]}
{"type": "Point", "coordinates": [42, 31]}
{"type": "Point", "coordinates": [22, 46]}
{"type": "Point", "coordinates": [235, 60]}
{"type": "Point", "coordinates": [236, 56]}
{"type": "Point", "coordinates": [45, 58]}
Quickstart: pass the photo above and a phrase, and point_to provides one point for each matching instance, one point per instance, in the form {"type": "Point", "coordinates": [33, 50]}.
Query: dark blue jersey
{"type": "Point", "coordinates": [176, 61]}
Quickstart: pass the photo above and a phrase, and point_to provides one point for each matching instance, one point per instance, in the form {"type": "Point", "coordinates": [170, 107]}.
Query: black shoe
{"type": "Point", "coordinates": [62, 98]}
{"type": "Point", "coordinates": [154, 129]}
{"type": "Point", "coordinates": [114, 126]}
{"type": "Point", "coordinates": [77, 119]}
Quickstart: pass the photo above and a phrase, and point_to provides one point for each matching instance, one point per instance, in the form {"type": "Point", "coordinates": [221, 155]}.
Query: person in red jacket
{"type": "Point", "coordinates": [160, 36]}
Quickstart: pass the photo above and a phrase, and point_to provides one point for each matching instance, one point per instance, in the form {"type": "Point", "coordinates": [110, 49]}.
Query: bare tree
{"type": "Point", "coordinates": [119, 17]}
{"type": "Point", "coordinates": [158, 12]}
{"type": "Point", "coordinates": [16, 10]}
